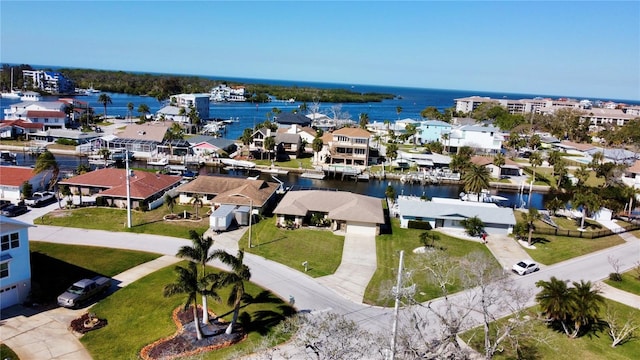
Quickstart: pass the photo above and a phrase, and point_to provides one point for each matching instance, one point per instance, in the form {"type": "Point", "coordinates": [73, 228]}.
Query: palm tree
{"type": "Point", "coordinates": [143, 110]}
{"type": "Point", "coordinates": [499, 161]}
{"type": "Point", "coordinates": [364, 120]}
{"type": "Point", "coordinates": [445, 138]}
{"type": "Point", "coordinates": [587, 301]}
{"type": "Point", "coordinates": [391, 152]}
{"type": "Point", "coordinates": [555, 301]}
{"type": "Point", "coordinates": [105, 100]}
{"type": "Point", "coordinates": [129, 111]}
{"type": "Point", "coordinates": [175, 132]}
{"type": "Point", "coordinates": [46, 163]}
{"type": "Point", "coordinates": [317, 145]}
{"type": "Point", "coordinates": [589, 201]}
{"type": "Point", "coordinates": [188, 283]}
{"type": "Point", "coordinates": [196, 200]}
{"type": "Point", "coordinates": [105, 153]}
{"type": "Point", "coordinates": [554, 157]}
{"type": "Point", "coordinates": [531, 217]}
{"type": "Point", "coordinates": [269, 144]}
{"type": "Point", "coordinates": [398, 111]}
{"type": "Point", "coordinates": [582, 174]}
{"type": "Point", "coordinates": [236, 278]}
{"type": "Point", "coordinates": [170, 201]}
{"type": "Point", "coordinates": [199, 253]}
{"type": "Point", "coordinates": [476, 179]}
{"type": "Point", "coordinates": [554, 205]}
{"type": "Point", "coordinates": [535, 159]}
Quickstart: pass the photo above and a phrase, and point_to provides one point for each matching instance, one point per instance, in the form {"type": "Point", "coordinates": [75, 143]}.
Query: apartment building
{"type": "Point", "coordinates": [49, 81]}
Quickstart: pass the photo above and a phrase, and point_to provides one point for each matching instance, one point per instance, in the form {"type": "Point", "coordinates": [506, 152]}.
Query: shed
{"type": "Point", "coordinates": [222, 217]}
{"type": "Point", "coordinates": [242, 215]}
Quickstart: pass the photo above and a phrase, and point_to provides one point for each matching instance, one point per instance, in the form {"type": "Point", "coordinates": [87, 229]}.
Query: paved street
{"type": "Point", "coordinates": [310, 294]}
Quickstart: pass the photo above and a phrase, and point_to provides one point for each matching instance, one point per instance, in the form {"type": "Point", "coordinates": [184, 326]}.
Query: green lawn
{"type": "Point", "coordinates": [630, 282]}
{"type": "Point", "coordinates": [138, 315]}
{"type": "Point", "coordinates": [7, 354]}
{"type": "Point", "coordinates": [320, 248]}
{"type": "Point", "coordinates": [111, 219]}
{"type": "Point", "coordinates": [305, 163]}
{"type": "Point", "coordinates": [592, 346]}
{"type": "Point", "coordinates": [71, 263]}
{"type": "Point", "coordinates": [388, 248]}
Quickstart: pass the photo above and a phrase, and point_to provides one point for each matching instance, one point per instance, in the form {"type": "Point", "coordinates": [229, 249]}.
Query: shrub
{"type": "Point", "coordinates": [615, 276]}
{"type": "Point", "coordinates": [67, 142]}
{"type": "Point", "coordinates": [422, 225]}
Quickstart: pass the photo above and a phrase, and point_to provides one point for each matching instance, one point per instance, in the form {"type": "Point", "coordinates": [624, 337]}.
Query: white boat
{"type": "Point", "coordinates": [7, 157]}
{"type": "Point", "coordinates": [99, 160]}
{"type": "Point", "coordinates": [12, 94]}
{"type": "Point", "coordinates": [309, 174]}
{"type": "Point", "coordinates": [274, 170]}
{"type": "Point", "coordinates": [31, 96]}
{"type": "Point", "coordinates": [484, 196]}
{"type": "Point", "coordinates": [237, 163]}
{"type": "Point", "coordinates": [158, 162]}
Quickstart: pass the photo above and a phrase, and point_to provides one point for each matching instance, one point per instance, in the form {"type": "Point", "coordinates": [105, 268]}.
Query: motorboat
{"type": "Point", "coordinates": [313, 174]}
{"type": "Point", "coordinates": [484, 196]}
{"type": "Point", "coordinates": [158, 162]}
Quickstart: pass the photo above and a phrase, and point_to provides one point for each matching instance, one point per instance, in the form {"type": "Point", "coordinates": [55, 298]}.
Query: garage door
{"type": "Point", "coordinates": [361, 229]}
{"type": "Point", "coordinates": [8, 296]}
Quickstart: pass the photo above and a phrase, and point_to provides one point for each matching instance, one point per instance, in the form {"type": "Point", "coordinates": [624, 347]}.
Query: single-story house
{"type": "Point", "coordinates": [11, 129]}
{"type": "Point", "coordinates": [110, 184]}
{"type": "Point", "coordinates": [15, 263]}
{"type": "Point", "coordinates": [448, 213]}
{"type": "Point", "coordinates": [12, 178]}
{"type": "Point", "coordinates": [204, 145]}
{"type": "Point", "coordinates": [349, 212]}
{"type": "Point", "coordinates": [142, 140]}
{"type": "Point", "coordinates": [52, 135]}
{"type": "Point", "coordinates": [510, 167]}
{"type": "Point", "coordinates": [225, 190]}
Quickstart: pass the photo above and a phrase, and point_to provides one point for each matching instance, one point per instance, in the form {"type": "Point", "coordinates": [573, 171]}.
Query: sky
{"type": "Point", "coordinates": [572, 48]}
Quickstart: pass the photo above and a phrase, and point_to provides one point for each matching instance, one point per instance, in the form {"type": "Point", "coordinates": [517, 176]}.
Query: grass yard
{"type": "Point", "coordinates": [320, 248]}
{"type": "Point", "coordinates": [111, 219]}
{"type": "Point", "coordinates": [139, 314]}
{"type": "Point", "coordinates": [305, 163]}
{"type": "Point", "coordinates": [554, 249]}
{"type": "Point", "coordinates": [7, 354]}
{"type": "Point", "coordinates": [72, 263]}
{"type": "Point", "coordinates": [630, 281]}
{"type": "Point", "coordinates": [388, 248]}
{"type": "Point", "coordinates": [592, 346]}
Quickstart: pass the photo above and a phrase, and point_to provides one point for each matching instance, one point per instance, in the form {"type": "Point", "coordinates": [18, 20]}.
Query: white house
{"type": "Point", "coordinates": [15, 264]}
{"type": "Point", "coordinates": [486, 139]}
{"type": "Point", "coordinates": [200, 102]}
{"type": "Point", "coordinates": [448, 213]}
{"type": "Point", "coordinates": [51, 114]}
{"type": "Point", "coordinates": [12, 178]}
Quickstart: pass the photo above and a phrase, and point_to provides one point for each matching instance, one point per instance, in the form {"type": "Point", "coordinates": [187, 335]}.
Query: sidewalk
{"type": "Point", "coordinates": [46, 335]}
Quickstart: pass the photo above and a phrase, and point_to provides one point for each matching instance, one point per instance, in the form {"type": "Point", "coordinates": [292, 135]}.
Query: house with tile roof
{"type": "Point", "coordinates": [448, 213]}
{"type": "Point", "coordinates": [110, 184]}
{"type": "Point", "coordinates": [347, 212]}
{"type": "Point", "coordinates": [225, 190]}
{"type": "Point", "coordinates": [510, 167]}
{"type": "Point", "coordinates": [15, 262]}
{"type": "Point", "coordinates": [13, 177]}
{"type": "Point", "coordinates": [13, 129]}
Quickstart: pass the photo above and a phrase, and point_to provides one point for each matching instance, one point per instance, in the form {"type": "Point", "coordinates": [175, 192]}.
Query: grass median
{"type": "Point", "coordinates": [630, 281]}
{"type": "Point", "coordinates": [388, 247]}
{"type": "Point", "coordinates": [319, 247]}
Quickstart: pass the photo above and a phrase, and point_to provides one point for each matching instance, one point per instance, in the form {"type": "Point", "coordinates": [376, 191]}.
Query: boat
{"type": "Point", "coordinates": [275, 170]}
{"type": "Point", "coordinates": [99, 160]}
{"type": "Point", "coordinates": [484, 196]}
{"type": "Point", "coordinates": [12, 93]}
{"type": "Point", "coordinates": [31, 96]}
{"type": "Point", "coordinates": [7, 157]}
{"type": "Point", "coordinates": [237, 163]}
{"type": "Point", "coordinates": [313, 174]}
{"type": "Point", "coordinates": [158, 162]}
{"type": "Point", "coordinates": [362, 177]}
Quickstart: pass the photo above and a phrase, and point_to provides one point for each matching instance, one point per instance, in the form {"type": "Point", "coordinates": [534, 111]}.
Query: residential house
{"type": "Point", "coordinates": [350, 146]}
{"type": "Point", "coordinates": [484, 139]}
{"type": "Point", "coordinates": [433, 131]}
{"type": "Point", "coordinates": [146, 189]}
{"type": "Point", "coordinates": [307, 134]}
{"type": "Point", "coordinates": [203, 145]}
{"type": "Point", "coordinates": [52, 135]}
{"type": "Point", "coordinates": [51, 114]}
{"type": "Point", "coordinates": [510, 167]}
{"type": "Point", "coordinates": [200, 102]}
{"type": "Point", "coordinates": [449, 213]}
{"type": "Point", "coordinates": [351, 213]}
{"type": "Point", "coordinates": [288, 146]}
{"type": "Point", "coordinates": [631, 176]}
{"type": "Point", "coordinates": [258, 137]}
{"type": "Point", "coordinates": [141, 139]}
{"type": "Point", "coordinates": [224, 190]}
{"type": "Point", "coordinates": [14, 129]}
{"type": "Point", "coordinates": [13, 177]}
{"type": "Point", "coordinates": [287, 119]}
{"type": "Point", "coordinates": [15, 263]}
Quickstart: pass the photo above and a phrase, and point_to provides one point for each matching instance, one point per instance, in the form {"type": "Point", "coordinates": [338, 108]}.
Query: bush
{"type": "Point", "coordinates": [67, 142]}
{"type": "Point", "coordinates": [615, 276]}
{"type": "Point", "coordinates": [422, 225]}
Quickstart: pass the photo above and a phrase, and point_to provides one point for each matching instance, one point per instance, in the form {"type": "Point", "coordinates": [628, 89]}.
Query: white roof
{"type": "Point", "coordinates": [454, 209]}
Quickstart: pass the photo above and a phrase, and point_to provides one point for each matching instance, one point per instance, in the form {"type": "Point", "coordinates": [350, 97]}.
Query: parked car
{"type": "Point", "coordinates": [40, 199]}
{"type": "Point", "coordinates": [524, 267]}
{"type": "Point", "coordinates": [84, 290]}
{"type": "Point", "coordinates": [14, 210]}
{"type": "Point", "coordinates": [4, 204]}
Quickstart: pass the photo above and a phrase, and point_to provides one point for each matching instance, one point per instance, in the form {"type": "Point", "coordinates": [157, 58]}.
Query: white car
{"type": "Point", "coordinates": [524, 267]}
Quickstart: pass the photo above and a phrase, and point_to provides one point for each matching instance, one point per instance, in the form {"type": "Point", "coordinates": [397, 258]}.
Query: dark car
{"type": "Point", "coordinates": [14, 210]}
{"type": "Point", "coordinates": [4, 204]}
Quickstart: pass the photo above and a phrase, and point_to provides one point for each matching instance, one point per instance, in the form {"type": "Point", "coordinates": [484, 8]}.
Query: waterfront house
{"type": "Point", "coordinates": [13, 177]}
{"type": "Point", "coordinates": [510, 167]}
{"type": "Point", "coordinates": [199, 102]}
{"type": "Point", "coordinates": [286, 120]}
{"type": "Point", "coordinates": [432, 131]}
{"type": "Point", "coordinates": [146, 189]}
{"type": "Point", "coordinates": [346, 212]}
{"type": "Point", "coordinates": [257, 139]}
{"type": "Point", "coordinates": [448, 213]}
{"type": "Point", "coordinates": [15, 263]}
{"type": "Point", "coordinates": [631, 176]}
{"type": "Point", "coordinates": [14, 129]}
{"type": "Point", "coordinates": [350, 147]}
{"type": "Point", "coordinates": [141, 139]}
{"type": "Point", "coordinates": [51, 114]}
{"type": "Point", "coordinates": [52, 135]}
{"type": "Point", "coordinates": [483, 139]}
{"type": "Point", "coordinates": [288, 146]}
{"type": "Point", "coordinates": [204, 145]}
{"type": "Point", "coordinates": [307, 134]}
{"type": "Point", "coordinates": [215, 191]}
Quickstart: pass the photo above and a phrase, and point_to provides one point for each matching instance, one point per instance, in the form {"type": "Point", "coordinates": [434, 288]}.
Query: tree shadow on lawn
{"type": "Point", "coordinates": [271, 241]}
{"type": "Point", "coordinates": [262, 321]}
{"type": "Point", "coordinates": [539, 240]}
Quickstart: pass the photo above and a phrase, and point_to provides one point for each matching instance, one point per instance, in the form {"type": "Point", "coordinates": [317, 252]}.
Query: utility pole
{"type": "Point", "coordinates": [397, 306]}
{"type": "Point", "coordinates": [128, 189]}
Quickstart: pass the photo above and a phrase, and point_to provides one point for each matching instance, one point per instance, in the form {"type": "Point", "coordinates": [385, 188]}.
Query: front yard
{"type": "Point", "coordinates": [320, 248]}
